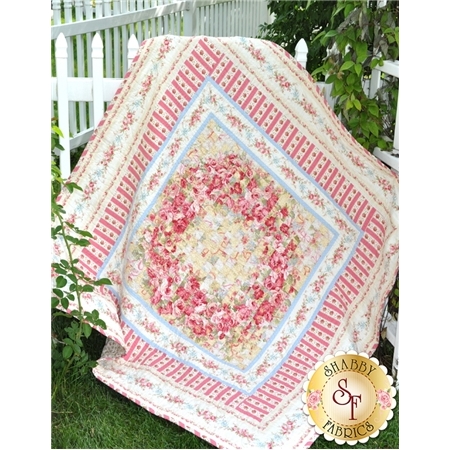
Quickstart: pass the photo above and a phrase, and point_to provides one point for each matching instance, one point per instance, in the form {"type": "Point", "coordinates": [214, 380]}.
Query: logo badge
{"type": "Point", "coordinates": [349, 397]}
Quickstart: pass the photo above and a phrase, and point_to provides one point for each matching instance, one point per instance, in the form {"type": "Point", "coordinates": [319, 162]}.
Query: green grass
{"type": "Point", "coordinates": [88, 414]}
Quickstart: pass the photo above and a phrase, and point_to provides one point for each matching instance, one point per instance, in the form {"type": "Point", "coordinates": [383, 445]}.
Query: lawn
{"type": "Point", "coordinates": [88, 414]}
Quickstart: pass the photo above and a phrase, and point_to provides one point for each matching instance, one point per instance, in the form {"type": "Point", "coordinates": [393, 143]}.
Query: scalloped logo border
{"type": "Point", "coordinates": [349, 397]}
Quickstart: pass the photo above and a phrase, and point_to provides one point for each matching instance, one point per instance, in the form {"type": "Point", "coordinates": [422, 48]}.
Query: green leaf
{"type": "Point", "coordinates": [76, 348]}
{"type": "Point", "coordinates": [373, 109]}
{"type": "Point", "coordinates": [61, 281]}
{"type": "Point", "coordinates": [55, 302]}
{"type": "Point", "coordinates": [67, 352]}
{"type": "Point", "coordinates": [72, 278]}
{"type": "Point", "coordinates": [330, 34]}
{"type": "Point", "coordinates": [75, 313]}
{"type": "Point", "coordinates": [361, 51]}
{"type": "Point", "coordinates": [56, 229]}
{"type": "Point", "coordinates": [100, 323]}
{"type": "Point", "coordinates": [338, 87]}
{"type": "Point", "coordinates": [71, 186]}
{"type": "Point", "coordinates": [348, 9]}
{"type": "Point", "coordinates": [58, 292]}
{"type": "Point", "coordinates": [84, 233]}
{"type": "Point", "coordinates": [352, 79]}
{"type": "Point", "coordinates": [80, 242]}
{"type": "Point", "coordinates": [364, 124]}
{"type": "Point", "coordinates": [357, 104]}
{"type": "Point", "coordinates": [338, 9]}
{"type": "Point", "coordinates": [64, 302]}
{"type": "Point", "coordinates": [87, 329]}
{"type": "Point", "coordinates": [331, 79]}
{"type": "Point", "coordinates": [347, 65]}
{"type": "Point", "coordinates": [87, 288]}
{"type": "Point", "coordinates": [57, 130]}
{"type": "Point", "coordinates": [374, 63]}
{"type": "Point", "coordinates": [103, 281]}
{"type": "Point", "coordinates": [373, 128]}
{"type": "Point", "coordinates": [317, 71]}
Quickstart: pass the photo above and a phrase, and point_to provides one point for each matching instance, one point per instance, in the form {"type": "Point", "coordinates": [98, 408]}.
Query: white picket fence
{"type": "Point", "coordinates": [117, 20]}
{"type": "Point", "coordinates": [98, 90]}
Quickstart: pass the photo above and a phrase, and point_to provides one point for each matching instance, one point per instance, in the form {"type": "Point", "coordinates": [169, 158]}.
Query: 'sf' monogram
{"type": "Point", "coordinates": [346, 397]}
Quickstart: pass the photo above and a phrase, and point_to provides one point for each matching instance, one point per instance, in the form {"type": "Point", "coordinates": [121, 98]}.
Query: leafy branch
{"type": "Point", "coordinates": [298, 19]}
{"type": "Point", "coordinates": [69, 284]}
{"type": "Point", "coordinates": [364, 39]}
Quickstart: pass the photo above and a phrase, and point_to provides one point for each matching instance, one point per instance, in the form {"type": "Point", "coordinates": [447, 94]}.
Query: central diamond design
{"type": "Point", "coordinates": [225, 250]}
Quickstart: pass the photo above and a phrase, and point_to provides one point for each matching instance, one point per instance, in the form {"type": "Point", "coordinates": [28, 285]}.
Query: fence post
{"type": "Point", "coordinates": [98, 8]}
{"type": "Point", "coordinates": [133, 46]}
{"type": "Point", "coordinates": [97, 74]}
{"type": "Point", "coordinates": [71, 65]}
{"type": "Point", "coordinates": [190, 24]}
{"type": "Point", "coordinates": [56, 7]}
{"type": "Point", "coordinates": [81, 69]}
{"type": "Point", "coordinates": [301, 52]}
{"type": "Point", "coordinates": [63, 103]}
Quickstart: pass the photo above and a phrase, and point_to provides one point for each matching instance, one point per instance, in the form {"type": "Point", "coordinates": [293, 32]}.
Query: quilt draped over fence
{"type": "Point", "coordinates": [247, 235]}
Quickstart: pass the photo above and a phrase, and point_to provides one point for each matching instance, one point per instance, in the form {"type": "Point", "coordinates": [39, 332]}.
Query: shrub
{"type": "Point", "coordinates": [366, 37]}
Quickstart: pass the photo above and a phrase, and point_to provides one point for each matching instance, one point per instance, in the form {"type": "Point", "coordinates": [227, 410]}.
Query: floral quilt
{"type": "Point", "coordinates": [246, 234]}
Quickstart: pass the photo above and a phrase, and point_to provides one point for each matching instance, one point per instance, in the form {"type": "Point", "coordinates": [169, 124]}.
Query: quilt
{"type": "Point", "coordinates": [247, 235]}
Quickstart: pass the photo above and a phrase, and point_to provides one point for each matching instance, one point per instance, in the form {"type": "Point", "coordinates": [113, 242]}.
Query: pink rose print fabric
{"type": "Point", "coordinates": [246, 234]}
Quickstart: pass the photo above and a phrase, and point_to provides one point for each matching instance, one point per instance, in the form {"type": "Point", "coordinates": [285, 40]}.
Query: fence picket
{"type": "Point", "coordinates": [81, 72]}
{"type": "Point", "coordinates": [167, 19]}
{"type": "Point", "coordinates": [70, 69]}
{"type": "Point", "coordinates": [61, 56]}
{"type": "Point", "coordinates": [301, 52]}
{"type": "Point", "coordinates": [116, 21]}
{"type": "Point", "coordinates": [107, 41]}
{"type": "Point", "coordinates": [98, 8]}
{"type": "Point", "coordinates": [56, 8]}
{"type": "Point", "coordinates": [133, 47]}
{"type": "Point", "coordinates": [97, 77]}
{"type": "Point", "coordinates": [124, 6]}
{"type": "Point", "coordinates": [138, 7]}
{"type": "Point", "coordinates": [116, 40]}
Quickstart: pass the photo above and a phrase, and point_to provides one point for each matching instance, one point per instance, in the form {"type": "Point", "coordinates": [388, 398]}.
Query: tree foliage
{"type": "Point", "coordinates": [300, 19]}
{"type": "Point", "coordinates": [365, 38]}
{"type": "Point", "coordinates": [346, 39]}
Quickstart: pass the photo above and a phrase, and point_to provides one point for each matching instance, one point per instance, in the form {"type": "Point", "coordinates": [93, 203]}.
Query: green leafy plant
{"type": "Point", "coordinates": [298, 19]}
{"type": "Point", "coordinates": [69, 284]}
{"type": "Point", "coordinates": [366, 37]}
